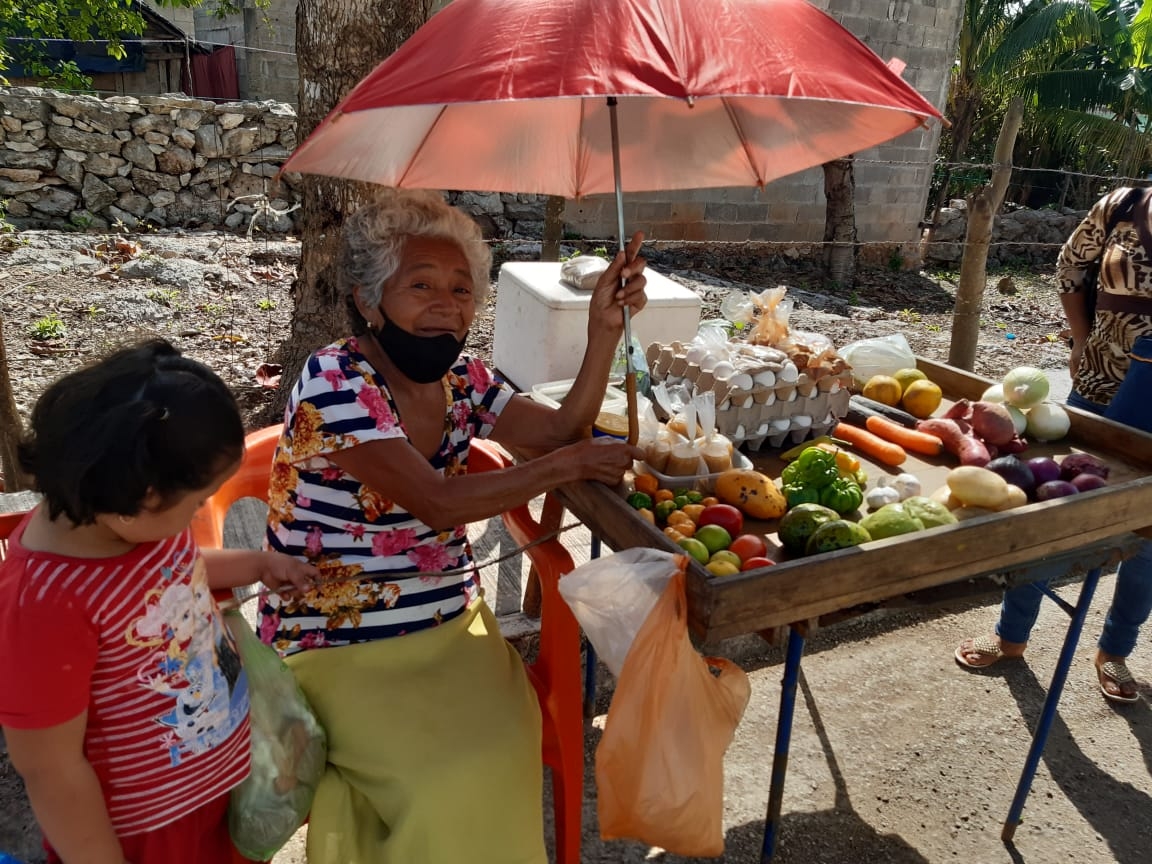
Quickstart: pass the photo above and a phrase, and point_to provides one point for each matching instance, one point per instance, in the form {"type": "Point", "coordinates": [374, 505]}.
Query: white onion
{"type": "Point", "coordinates": [1048, 422]}
{"type": "Point", "coordinates": [1019, 419]}
{"type": "Point", "coordinates": [1025, 386]}
{"type": "Point", "coordinates": [995, 393]}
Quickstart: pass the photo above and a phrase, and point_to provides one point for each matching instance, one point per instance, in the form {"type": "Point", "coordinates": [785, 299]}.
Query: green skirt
{"type": "Point", "coordinates": [433, 749]}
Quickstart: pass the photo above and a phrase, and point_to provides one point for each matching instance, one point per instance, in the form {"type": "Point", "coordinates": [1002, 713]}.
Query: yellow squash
{"type": "Point", "coordinates": [752, 492]}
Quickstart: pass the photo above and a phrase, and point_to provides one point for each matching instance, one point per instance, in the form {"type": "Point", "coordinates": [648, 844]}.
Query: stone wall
{"type": "Point", "coordinates": [1018, 236]}
{"type": "Point", "coordinates": [70, 161]}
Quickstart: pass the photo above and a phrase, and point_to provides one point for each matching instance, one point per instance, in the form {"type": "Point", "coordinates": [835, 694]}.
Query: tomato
{"type": "Point", "coordinates": [749, 546]}
{"type": "Point", "coordinates": [724, 515]}
{"type": "Point", "coordinates": [757, 563]}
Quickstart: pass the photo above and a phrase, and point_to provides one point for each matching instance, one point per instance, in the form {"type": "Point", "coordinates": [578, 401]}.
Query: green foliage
{"type": "Point", "coordinates": [48, 327]}
{"type": "Point", "coordinates": [77, 20]}
{"type": "Point", "coordinates": [265, 304]}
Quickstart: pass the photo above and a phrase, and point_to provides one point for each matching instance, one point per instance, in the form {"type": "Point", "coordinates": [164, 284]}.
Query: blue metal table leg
{"type": "Point", "coordinates": [590, 655]}
{"type": "Point", "coordinates": [1044, 725]}
{"type": "Point", "coordinates": [783, 739]}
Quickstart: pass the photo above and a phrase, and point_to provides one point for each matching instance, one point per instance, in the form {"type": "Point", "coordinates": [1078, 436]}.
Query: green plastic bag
{"type": "Point", "coordinates": [289, 751]}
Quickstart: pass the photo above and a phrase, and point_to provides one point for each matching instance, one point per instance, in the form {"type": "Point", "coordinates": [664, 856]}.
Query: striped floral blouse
{"type": "Point", "coordinates": [376, 560]}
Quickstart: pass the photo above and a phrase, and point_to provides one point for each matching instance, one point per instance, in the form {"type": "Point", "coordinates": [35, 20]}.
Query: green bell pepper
{"type": "Point", "coordinates": [796, 494]}
{"type": "Point", "coordinates": [842, 495]}
{"type": "Point", "coordinates": [814, 467]}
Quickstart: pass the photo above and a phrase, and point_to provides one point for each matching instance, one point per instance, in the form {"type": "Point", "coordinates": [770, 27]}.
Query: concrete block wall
{"type": "Point", "coordinates": [892, 180]}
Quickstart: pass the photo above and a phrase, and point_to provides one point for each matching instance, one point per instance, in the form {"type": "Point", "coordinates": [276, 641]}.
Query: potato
{"type": "Point", "coordinates": [978, 487]}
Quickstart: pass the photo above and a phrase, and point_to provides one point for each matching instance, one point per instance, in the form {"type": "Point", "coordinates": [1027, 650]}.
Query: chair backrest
{"type": "Point", "coordinates": [8, 523]}
{"type": "Point", "coordinates": [249, 481]}
{"type": "Point", "coordinates": [556, 671]}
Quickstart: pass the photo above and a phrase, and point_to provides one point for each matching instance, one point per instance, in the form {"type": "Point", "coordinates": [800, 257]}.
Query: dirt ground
{"type": "Point", "coordinates": [898, 755]}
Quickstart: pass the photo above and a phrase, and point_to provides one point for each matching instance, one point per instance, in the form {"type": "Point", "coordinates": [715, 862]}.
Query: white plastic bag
{"type": "Point", "coordinates": [883, 355]}
{"type": "Point", "coordinates": [582, 271]}
{"type": "Point", "coordinates": [612, 596]}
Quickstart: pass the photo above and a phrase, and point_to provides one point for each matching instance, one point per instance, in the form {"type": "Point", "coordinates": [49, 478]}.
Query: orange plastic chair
{"type": "Point", "coordinates": [8, 523]}
{"type": "Point", "coordinates": [556, 671]}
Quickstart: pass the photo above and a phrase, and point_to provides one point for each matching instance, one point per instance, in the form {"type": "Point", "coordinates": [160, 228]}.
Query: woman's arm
{"type": "Point", "coordinates": [526, 425]}
{"type": "Point", "coordinates": [396, 470]}
{"type": "Point", "coordinates": [232, 568]}
{"type": "Point", "coordinates": [64, 791]}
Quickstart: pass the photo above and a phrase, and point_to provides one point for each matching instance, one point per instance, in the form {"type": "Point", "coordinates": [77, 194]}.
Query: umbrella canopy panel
{"type": "Point", "coordinates": [510, 95]}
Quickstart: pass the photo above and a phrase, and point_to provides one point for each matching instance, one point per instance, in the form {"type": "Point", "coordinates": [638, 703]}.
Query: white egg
{"type": "Point", "coordinates": [767, 378]}
{"type": "Point", "coordinates": [708, 363]}
{"type": "Point", "coordinates": [743, 381]}
{"type": "Point", "coordinates": [696, 353]}
{"type": "Point", "coordinates": [723, 370]}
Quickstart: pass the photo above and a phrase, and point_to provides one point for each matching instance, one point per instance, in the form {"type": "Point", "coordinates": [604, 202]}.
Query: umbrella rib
{"type": "Point", "coordinates": [423, 141]}
{"type": "Point", "coordinates": [727, 103]}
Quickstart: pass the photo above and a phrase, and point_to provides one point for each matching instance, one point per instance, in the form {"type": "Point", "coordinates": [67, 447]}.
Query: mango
{"type": "Point", "coordinates": [754, 493]}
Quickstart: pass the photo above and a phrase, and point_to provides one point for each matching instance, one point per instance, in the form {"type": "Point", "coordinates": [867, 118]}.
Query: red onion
{"type": "Point", "coordinates": [1044, 469]}
{"type": "Point", "coordinates": [1054, 489]}
{"type": "Point", "coordinates": [1087, 482]}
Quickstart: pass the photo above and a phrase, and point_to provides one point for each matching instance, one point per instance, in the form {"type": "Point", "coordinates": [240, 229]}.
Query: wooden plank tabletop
{"type": "Point", "coordinates": [797, 589]}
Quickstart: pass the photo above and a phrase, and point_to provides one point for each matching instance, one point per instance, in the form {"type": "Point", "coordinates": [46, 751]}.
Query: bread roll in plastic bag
{"type": "Point", "coordinates": [882, 355]}
{"type": "Point", "coordinates": [660, 762]}
{"type": "Point", "coordinates": [289, 751]}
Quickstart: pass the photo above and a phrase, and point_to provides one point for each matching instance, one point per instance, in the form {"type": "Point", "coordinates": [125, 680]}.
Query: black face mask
{"type": "Point", "coordinates": [424, 359]}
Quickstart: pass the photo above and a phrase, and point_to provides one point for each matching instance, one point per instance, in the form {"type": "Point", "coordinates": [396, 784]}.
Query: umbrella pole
{"type": "Point", "coordinates": [630, 366]}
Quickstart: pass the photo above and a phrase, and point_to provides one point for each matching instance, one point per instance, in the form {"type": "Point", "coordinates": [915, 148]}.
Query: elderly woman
{"type": "Point", "coordinates": [434, 729]}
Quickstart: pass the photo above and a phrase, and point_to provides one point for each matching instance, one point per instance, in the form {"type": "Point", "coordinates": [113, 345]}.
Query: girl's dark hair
{"type": "Point", "coordinates": [143, 420]}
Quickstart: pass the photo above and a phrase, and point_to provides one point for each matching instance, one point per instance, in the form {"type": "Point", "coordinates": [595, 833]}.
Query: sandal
{"type": "Point", "coordinates": [988, 649]}
{"type": "Point", "coordinates": [1116, 672]}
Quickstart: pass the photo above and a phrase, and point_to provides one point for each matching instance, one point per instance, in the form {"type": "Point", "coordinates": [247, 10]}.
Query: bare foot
{"type": "Point", "coordinates": [982, 651]}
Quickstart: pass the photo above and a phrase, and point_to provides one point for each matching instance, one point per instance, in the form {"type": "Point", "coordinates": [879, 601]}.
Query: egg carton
{"type": "Point", "coordinates": [761, 395]}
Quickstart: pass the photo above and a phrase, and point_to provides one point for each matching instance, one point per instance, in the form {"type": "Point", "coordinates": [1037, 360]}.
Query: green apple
{"type": "Point", "coordinates": [714, 538]}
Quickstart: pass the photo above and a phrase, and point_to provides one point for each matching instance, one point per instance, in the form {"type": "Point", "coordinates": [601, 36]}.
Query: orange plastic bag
{"type": "Point", "coordinates": [660, 763]}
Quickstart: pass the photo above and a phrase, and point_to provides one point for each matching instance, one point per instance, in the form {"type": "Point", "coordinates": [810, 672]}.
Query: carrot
{"type": "Point", "coordinates": [871, 445]}
{"type": "Point", "coordinates": [909, 439]}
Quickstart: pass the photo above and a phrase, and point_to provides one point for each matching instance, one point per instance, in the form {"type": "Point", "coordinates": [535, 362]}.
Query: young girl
{"type": "Point", "coordinates": [121, 694]}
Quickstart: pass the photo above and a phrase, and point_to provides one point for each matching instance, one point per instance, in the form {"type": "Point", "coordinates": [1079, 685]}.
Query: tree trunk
{"type": "Point", "coordinates": [553, 228]}
{"type": "Point", "coordinates": [840, 222]}
{"type": "Point", "coordinates": [338, 42]}
{"type": "Point", "coordinates": [10, 427]}
{"type": "Point", "coordinates": [982, 207]}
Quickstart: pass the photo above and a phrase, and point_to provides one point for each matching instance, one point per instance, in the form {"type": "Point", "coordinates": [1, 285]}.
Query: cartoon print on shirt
{"type": "Point", "coordinates": [195, 662]}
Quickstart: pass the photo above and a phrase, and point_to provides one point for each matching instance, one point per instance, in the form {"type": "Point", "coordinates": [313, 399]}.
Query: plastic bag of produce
{"type": "Point", "coordinates": [289, 751]}
{"type": "Point", "coordinates": [660, 762]}
{"type": "Point", "coordinates": [612, 596]}
{"type": "Point", "coordinates": [883, 355]}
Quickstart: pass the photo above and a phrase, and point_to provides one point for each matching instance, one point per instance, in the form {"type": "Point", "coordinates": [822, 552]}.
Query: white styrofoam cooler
{"type": "Point", "coordinates": [542, 325]}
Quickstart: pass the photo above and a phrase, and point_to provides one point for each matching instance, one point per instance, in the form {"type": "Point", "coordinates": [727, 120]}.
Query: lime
{"type": "Point", "coordinates": [726, 555]}
{"type": "Point", "coordinates": [695, 548]}
{"type": "Point", "coordinates": [721, 568]}
{"type": "Point", "coordinates": [714, 538]}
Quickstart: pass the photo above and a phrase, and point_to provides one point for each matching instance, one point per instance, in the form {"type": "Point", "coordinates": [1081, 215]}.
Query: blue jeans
{"type": "Point", "coordinates": [1131, 601]}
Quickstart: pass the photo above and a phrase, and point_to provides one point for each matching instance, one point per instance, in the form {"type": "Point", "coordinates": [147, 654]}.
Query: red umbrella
{"type": "Point", "coordinates": [521, 96]}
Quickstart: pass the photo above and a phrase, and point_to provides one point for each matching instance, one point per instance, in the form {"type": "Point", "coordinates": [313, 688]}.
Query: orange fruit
{"type": "Point", "coordinates": [906, 377]}
{"type": "Point", "coordinates": [921, 399]}
{"type": "Point", "coordinates": [883, 388]}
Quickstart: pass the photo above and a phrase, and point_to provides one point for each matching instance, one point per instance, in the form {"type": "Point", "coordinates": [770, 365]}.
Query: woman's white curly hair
{"type": "Point", "coordinates": [373, 238]}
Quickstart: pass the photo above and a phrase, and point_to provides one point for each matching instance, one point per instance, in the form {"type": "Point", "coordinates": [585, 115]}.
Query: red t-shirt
{"type": "Point", "coordinates": [137, 642]}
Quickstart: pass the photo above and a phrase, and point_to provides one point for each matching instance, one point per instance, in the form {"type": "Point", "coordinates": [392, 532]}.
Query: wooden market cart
{"type": "Point", "coordinates": [1078, 536]}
